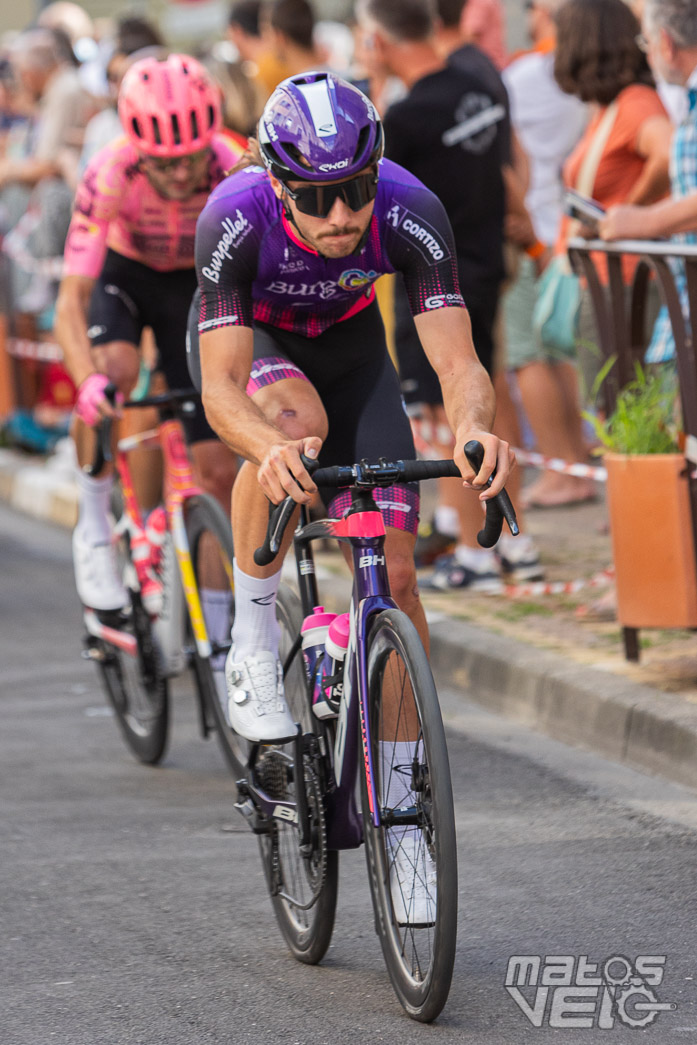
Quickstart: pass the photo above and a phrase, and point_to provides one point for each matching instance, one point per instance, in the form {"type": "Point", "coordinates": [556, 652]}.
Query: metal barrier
{"type": "Point", "coordinates": [622, 333]}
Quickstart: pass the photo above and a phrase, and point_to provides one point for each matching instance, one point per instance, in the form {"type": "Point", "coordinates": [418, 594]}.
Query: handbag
{"type": "Point", "coordinates": [556, 308]}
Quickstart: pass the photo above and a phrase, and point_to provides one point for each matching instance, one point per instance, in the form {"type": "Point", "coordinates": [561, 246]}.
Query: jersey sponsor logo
{"type": "Point", "coordinates": [324, 289]}
{"type": "Point", "coordinates": [234, 231]}
{"type": "Point", "coordinates": [395, 215]}
{"type": "Point", "coordinates": [356, 279]}
{"type": "Point", "coordinates": [475, 130]}
{"type": "Point", "coordinates": [419, 233]}
{"type": "Point", "coordinates": [444, 300]}
{"type": "Point", "coordinates": [338, 166]}
{"type": "Point", "coordinates": [292, 266]}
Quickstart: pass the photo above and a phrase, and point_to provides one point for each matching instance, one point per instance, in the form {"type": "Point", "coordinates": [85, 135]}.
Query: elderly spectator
{"type": "Point", "coordinates": [670, 31]}
{"type": "Point", "coordinates": [548, 123]}
{"type": "Point", "coordinates": [62, 109]}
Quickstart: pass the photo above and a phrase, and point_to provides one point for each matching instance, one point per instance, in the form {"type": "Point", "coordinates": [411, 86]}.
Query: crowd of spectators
{"type": "Point", "coordinates": [578, 105]}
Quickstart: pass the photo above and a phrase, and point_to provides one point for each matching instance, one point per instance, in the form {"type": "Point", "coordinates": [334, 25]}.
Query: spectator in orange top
{"type": "Point", "coordinates": [597, 60]}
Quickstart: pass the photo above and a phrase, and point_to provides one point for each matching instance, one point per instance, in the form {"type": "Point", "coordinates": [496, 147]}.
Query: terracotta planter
{"type": "Point", "coordinates": [652, 542]}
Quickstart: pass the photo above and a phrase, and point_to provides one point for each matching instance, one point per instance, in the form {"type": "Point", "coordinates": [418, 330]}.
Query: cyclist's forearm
{"type": "Point", "coordinates": [469, 400]}
{"type": "Point", "coordinates": [238, 422]}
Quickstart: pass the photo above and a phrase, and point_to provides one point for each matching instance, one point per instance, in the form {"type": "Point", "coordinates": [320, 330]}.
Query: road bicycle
{"type": "Point", "coordinates": [387, 740]}
{"type": "Point", "coordinates": [177, 570]}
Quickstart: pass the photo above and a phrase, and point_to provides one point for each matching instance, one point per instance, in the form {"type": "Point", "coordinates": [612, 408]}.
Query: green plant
{"type": "Point", "coordinates": [645, 418]}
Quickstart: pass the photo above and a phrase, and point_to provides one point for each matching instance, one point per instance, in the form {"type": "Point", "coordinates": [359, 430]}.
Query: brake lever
{"type": "Point", "coordinates": [279, 516]}
{"type": "Point", "coordinates": [498, 508]}
{"type": "Point", "coordinates": [102, 451]}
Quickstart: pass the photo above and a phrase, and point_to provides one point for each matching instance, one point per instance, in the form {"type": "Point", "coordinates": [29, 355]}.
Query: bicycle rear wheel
{"type": "Point", "coordinates": [210, 544]}
{"type": "Point", "coordinates": [303, 888]}
{"type": "Point", "coordinates": [411, 855]}
{"type": "Point", "coordinates": [135, 687]}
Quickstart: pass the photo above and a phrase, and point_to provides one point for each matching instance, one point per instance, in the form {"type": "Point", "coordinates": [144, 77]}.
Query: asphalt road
{"type": "Point", "coordinates": [133, 907]}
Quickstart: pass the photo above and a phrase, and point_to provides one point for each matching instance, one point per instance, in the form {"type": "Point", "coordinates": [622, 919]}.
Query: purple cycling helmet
{"type": "Point", "coordinates": [318, 127]}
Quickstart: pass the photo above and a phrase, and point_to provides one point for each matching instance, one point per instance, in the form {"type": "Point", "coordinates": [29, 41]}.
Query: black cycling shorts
{"type": "Point", "coordinates": [350, 368]}
{"type": "Point", "coordinates": [129, 296]}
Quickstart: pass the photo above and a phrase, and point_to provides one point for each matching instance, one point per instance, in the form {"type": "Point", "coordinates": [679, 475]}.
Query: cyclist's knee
{"type": "Point", "coordinates": [120, 361]}
{"type": "Point", "coordinates": [296, 411]}
{"type": "Point", "coordinates": [216, 469]}
{"type": "Point", "coordinates": [402, 573]}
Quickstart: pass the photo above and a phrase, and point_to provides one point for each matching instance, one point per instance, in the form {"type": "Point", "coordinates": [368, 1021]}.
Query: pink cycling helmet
{"type": "Point", "coordinates": [169, 107]}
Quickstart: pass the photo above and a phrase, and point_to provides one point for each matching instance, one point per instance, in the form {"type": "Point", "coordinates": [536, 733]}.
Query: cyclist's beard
{"type": "Point", "coordinates": [323, 242]}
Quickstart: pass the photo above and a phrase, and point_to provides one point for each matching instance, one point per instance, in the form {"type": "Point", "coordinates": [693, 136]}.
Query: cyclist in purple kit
{"type": "Point", "coordinates": [291, 351]}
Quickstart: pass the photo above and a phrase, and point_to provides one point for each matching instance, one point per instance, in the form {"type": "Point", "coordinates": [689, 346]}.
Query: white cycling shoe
{"type": "Point", "coordinates": [412, 880]}
{"type": "Point", "coordinates": [256, 707]}
{"type": "Point", "coordinates": [97, 577]}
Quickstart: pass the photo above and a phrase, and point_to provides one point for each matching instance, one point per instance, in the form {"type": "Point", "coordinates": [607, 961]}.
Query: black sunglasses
{"type": "Point", "coordinates": [318, 200]}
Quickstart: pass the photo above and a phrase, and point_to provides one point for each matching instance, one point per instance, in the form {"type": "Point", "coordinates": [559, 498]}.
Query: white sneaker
{"type": "Point", "coordinates": [97, 577]}
{"type": "Point", "coordinates": [256, 707]}
{"type": "Point", "coordinates": [412, 880]}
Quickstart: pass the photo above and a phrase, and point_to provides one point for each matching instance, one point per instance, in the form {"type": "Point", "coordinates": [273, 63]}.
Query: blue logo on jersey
{"type": "Point", "coordinates": [356, 279]}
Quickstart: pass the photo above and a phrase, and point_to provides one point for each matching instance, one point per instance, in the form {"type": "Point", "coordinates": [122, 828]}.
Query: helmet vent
{"type": "Point", "coordinates": [194, 124]}
{"type": "Point", "coordinates": [156, 130]}
{"type": "Point", "coordinates": [211, 116]}
{"type": "Point", "coordinates": [136, 127]}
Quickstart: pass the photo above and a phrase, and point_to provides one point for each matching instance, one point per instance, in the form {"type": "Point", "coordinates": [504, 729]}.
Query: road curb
{"type": "Point", "coordinates": [626, 721]}
{"type": "Point", "coordinates": [623, 720]}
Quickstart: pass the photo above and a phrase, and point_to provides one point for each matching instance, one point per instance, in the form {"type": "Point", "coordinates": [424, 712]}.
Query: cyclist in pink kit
{"type": "Point", "coordinates": [292, 350]}
{"type": "Point", "coordinates": [129, 263]}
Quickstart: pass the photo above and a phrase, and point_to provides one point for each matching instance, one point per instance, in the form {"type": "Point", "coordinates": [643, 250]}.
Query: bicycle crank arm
{"type": "Point", "coordinates": [114, 636]}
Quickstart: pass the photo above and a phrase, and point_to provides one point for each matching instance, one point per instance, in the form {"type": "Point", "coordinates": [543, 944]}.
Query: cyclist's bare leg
{"type": "Point", "coordinates": [294, 407]}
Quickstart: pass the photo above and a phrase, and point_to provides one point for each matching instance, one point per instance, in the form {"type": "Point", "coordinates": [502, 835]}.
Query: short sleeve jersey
{"type": "Point", "coordinates": [116, 207]}
{"type": "Point", "coordinates": [251, 264]}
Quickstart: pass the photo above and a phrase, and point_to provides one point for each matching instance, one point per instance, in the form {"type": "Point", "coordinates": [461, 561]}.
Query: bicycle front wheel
{"type": "Point", "coordinates": [411, 854]}
{"type": "Point", "coordinates": [136, 689]}
{"type": "Point", "coordinates": [210, 545]}
{"type": "Point", "coordinates": [303, 886]}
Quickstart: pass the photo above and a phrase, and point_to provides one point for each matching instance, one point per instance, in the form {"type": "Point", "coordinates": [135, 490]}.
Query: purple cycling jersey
{"type": "Point", "coordinates": [251, 264]}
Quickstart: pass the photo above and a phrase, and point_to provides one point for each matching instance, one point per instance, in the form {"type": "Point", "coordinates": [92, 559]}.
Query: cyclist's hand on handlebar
{"type": "Point", "coordinates": [282, 473]}
{"type": "Point", "coordinates": [92, 404]}
{"type": "Point", "coordinates": [497, 455]}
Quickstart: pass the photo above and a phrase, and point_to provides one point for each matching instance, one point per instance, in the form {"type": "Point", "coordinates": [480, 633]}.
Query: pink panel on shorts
{"type": "Point", "coordinates": [270, 369]}
{"type": "Point", "coordinates": [399, 506]}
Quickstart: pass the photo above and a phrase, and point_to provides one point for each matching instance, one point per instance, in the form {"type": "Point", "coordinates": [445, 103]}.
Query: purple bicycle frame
{"type": "Point", "coordinates": [364, 530]}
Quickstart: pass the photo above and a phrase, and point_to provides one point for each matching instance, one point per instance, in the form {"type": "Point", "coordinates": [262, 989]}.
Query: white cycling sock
{"type": "Point", "coordinates": [255, 627]}
{"type": "Point", "coordinates": [94, 522]}
{"type": "Point", "coordinates": [216, 611]}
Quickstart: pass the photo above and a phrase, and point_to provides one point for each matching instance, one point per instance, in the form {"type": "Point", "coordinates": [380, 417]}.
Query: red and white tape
{"type": "Point", "coordinates": [556, 464]}
{"type": "Point", "coordinates": [43, 351]}
{"type": "Point", "coordinates": [534, 588]}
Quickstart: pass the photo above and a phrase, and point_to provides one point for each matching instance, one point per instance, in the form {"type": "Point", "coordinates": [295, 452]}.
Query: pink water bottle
{"type": "Point", "coordinates": [314, 635]}
{"type": "Point", "coordinates": [329, 677]}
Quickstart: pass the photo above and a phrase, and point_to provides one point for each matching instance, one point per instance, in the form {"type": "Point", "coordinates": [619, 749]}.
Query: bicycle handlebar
{"type": "Point", "coordinates": [102, 449]}
{"type": "Point", "coordinates": [386, 473]}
